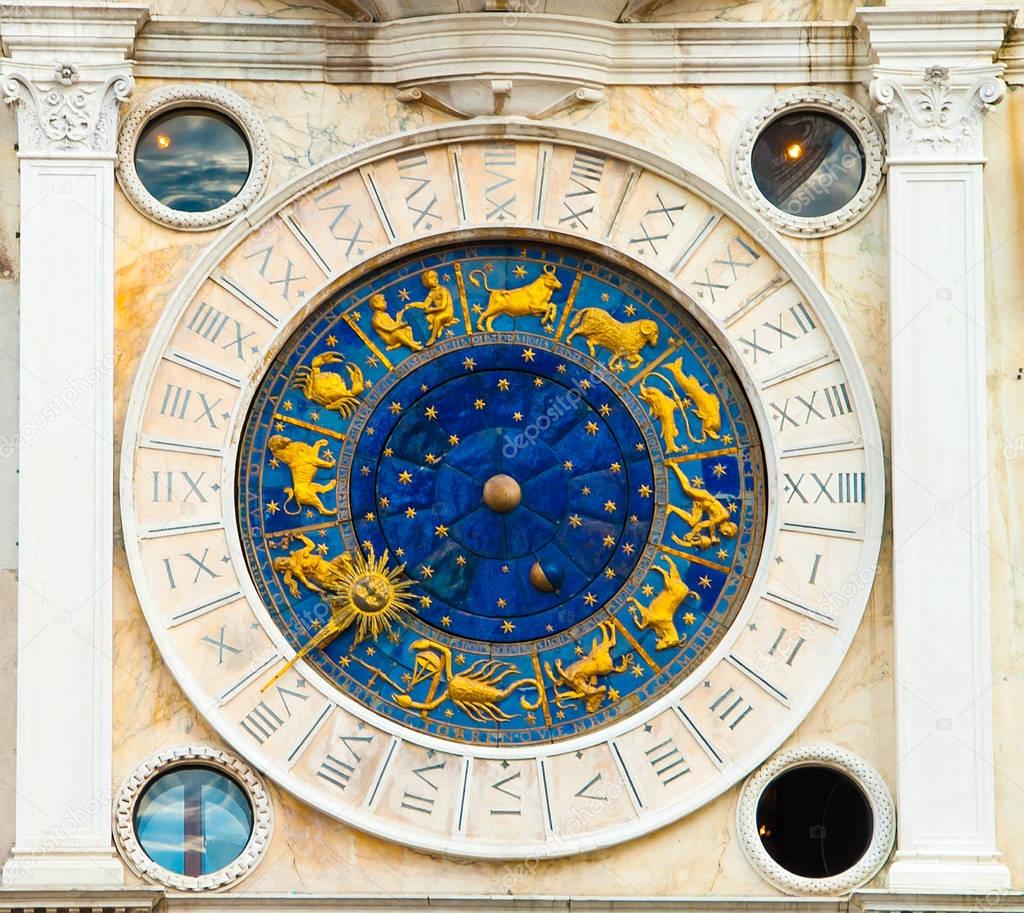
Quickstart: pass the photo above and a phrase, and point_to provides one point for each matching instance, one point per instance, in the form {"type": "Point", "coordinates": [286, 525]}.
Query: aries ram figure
{"type": "Point", "coordinates": [623, 340]}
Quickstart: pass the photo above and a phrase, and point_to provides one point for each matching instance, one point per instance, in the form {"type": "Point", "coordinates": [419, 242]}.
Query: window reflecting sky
{"type": "Point", "coordinates": [192, 160]}
{"type": "Point", "coordinates": [807, 164]}
{"type": "Point", "coordinates": [193, 821]}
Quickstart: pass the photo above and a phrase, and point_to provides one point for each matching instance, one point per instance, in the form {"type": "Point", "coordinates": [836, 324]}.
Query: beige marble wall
{"type": "Point", "coordinates": [310, 852]}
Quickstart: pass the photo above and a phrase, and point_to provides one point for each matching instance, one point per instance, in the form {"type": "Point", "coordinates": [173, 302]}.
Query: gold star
{"type": "Point", "coordinates": [647, 589]}
{"type": "Point", "coordinates": [446, 621]}
{"type": "Point", "coordinates": [639, 446]}
{"type": "Point", "coordinates": [718, 470]}
{"type": "Point", "coordinates": [332, 340]}
{"type": "Point", "coordinates": [404, 294]}
{"type": "Point", "coordinates": [448, 712]}
{"type": "Point", "coordinates": [591, 427]}
{"type": "Point", "coordinates": [609, 573]}
{"type": "Point", "coordinates": [644, 490]}
{"type": "Point", "coordinates": [609, 507]}
{"type": "Point", "coordinates": [430, 412]}
{"type": "Point", "coordinates": [365, 470]}
{"type": "Point", "coordinates": [689, 618]}
{"type": "Point", "coordinates": [460, 659]}
{"type": "Point", "coordinates": [528, 354]}
{"type": "Point", "coordinates": [279, 426]}
{"type": "Point", "coordinates": [274, 463]}
{"type": "Point", "coordinates": [590, 599]}
{"type": "Point", "coordinates": [726, 439]}
{"type": "Point", "coordinates": [605, 410]}
{"type": "Point", "coordinates": [399, 552]}
{"type": "Point", "coordinates": [388, 452]}
{"type": "Point", "coordinates": [575, 521]}
{"type": "Point", "coordinates": [613, 695]}
{"type": "Point", "coordinates": [479, 404]}
{"type": "Point", "coordinates": [578, 650]}
{"type": "Point", "coordinates": [504, 568]}
{"type": "Point", "coordinates": [370, 651]}
{"type": "Point", "coordinates": [604, 296]}
{"type": "Point", "coordinates": [453, 439]}
{"type": "Point", "coordinates": [560, 369]}
{"type": "Point", "coordinates": [322, 548]}
{"type": "Point", "coordinates": [385, 501]}
{"type": "Point", "coordinates": [287, 405]}
{"type": "Point", "coordinates": [585, 384]}
{"type": "Point", "coordinates": [722, 554]}
{"type": "Point", "coordinates": [395, 408]}
{"type": "Point", "coordinates": [431, 458]}
{"type": "Point", "coordinates": [272, 507]}
{"type": "Point", "coordinates": [503, 383]}
{"type": "Point", "coordinates": [425, 601]}
{"type": "Point", "coordinates": [560, 714]}
{"type": "Point", "coordinates": [371, 431]}
{"type": "Point", "coordinates": [705, 581]}
{"type": "Point", "coordinates": [638, 671]}
{"type": "Point", "coordinates": [502, 602]}
{"type": "Point", "coordinates": [628, 548]}
{"type": "Point", "coordinates": [538, 382]}
{"type": "Point", "coordinates": [427, 571]}
{"type": "Point", "coordinates": [507, 626]}
{"type": "Point", "coordinates": [517, 416]}
{"type": "Point", "coordinates": [634, 519]}
{"type": "Point", "coordinates": [405, 477]}
{"type": "Point", "coordinates": [567, 465]}
{"type": "Point", "coordinates": [441, 531]}
{"type": "Point", "coordinates": [519, 270]}
{"type": "Point", "coordinates": [370, 516]}
{"type": "Point", "coordinates": [460, 560]}
{"type": "Point", "coordinates": [468, 363]}
{"type": "Point", "coordinates": [609, 541]}
{"type": "Point", "coordinates": [549, 628]}
{"type": "Point", "coordinates": [585, 489]}
{"type": "Point", "coordinates": [314, 415]}
{"type": "Point", "coordinates": [630, 310]}
{"type": "Point", "coordinates": [410, 512]}
{"type": "Point", "coordinates": [616, 467]}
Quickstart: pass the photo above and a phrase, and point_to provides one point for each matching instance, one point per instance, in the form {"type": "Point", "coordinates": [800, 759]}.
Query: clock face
{"type": "Point", "coordinates": [502, 497]}
{"type": "Point", "coordinates": [516, 534]}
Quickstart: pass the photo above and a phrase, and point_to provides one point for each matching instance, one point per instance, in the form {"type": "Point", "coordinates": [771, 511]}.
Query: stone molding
{"type": "Point", "coordinates": [533, 98]}
{"type": "Point", "coordinates": [194, 96]}
{"type": "Point", "coordinates": [858, 770]}
{"type": "Point", "coordinates": [132, 788]}
{"type": "Point", "coordinates": [854, 117]}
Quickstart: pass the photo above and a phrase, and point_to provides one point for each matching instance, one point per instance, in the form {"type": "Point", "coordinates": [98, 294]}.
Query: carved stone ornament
{"type": "Point", "coordinates": [935, 117]}
{"type": "Point", "coordinates": [534, 98]}
{"type": "Point", "coordinates": [854, 117]}
{"type": "Point", "coordinates": [63, 111]}
{"type": "Point", "coordinates": [857, 769]}
{"type": "Point", "coordinates": [216, 98]}
{"type": "Point", "coordinates": [134, 785]}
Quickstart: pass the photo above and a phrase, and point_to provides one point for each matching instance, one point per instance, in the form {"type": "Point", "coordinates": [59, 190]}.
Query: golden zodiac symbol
{"type": "Point", "coordinates": [708, 518]}
{"type": "Point", "coordinates": [623, 340]}
{"type": "Point", "coordinates": [438, 306]}
{"type": "Point", "coordinates": [476, 692]}
{"type": "Point", "coordinates": [532, 300]}
{"type": "Point", "coordinates": [393, 331]}
{"type": "Point", "coordinates": [579, 680]}
{"type": "Point", "coordinates": [659, 613]}
{"type": "Point", "coordinates": [303, 460]}
{"type": "Point", "coordinates": [363, 591]}
{"type": "Point", "coordinates": [663, 407]}
{"type": "Point", "coordinates": [327, 388]}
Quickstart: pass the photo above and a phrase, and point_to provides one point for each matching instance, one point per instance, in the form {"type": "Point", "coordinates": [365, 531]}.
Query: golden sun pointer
{"type": "Point", "coordinates": [369, 595]}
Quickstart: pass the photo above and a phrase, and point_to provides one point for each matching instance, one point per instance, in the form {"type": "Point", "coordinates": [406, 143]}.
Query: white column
{"type": "Point", "coordinates": [66, 71]}
{"type": "Point", "coordinates": [933, 82]}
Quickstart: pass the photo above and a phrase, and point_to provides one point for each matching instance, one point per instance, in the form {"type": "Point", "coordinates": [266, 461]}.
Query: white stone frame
{"type": "Point", "coordinates": [214, 98]}
{"type": "Point", "coordinates": [854, 117]}
{"type": "Point", "coordinates": [857, 769]}
{"type": "Point", "coordinates": [131, 790]}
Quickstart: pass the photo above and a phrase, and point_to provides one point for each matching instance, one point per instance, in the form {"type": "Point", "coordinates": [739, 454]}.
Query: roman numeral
{"type": "Point", "coordinates": [164, 488]}
{"type": "Point", "coordinates": [500, 163]}
{"type": "Point", "coordinates": [734, 708]}
{"type": "Point", "coordinates": [507, 787]}
{"type": "Point", "coordinates": [787, 644]}
{"type": "Point", "coordinates": [584, 791]}
{"type": "Point", "coordinates": [354, 240]}
{"type": "Point", "coordinates": [420, 200]}
{"type": "Point", "coordinates": [585, 175]}
{"type": "Point", "coordinates": [196, 563]}
{"type": "Point", "coordinates": [789, 325]}
{"type": "Point", "coordinates": [263, 721]}
{"type": "Point", "coordinates": [835, 488]}
{"type": "Point", "coordinates": [668, 761]}
{"type": "Point", "coordinates": [661, 214]}
{"type": "Point", "coordinates": [209, 323]}
{"type": "Point", "coordinates": [220, 645]}
{"type": "Point", "coordinates": [178, 400]}
{"type": "Point", "coordinates": [337, 771]}
{"type": "Point", "coordinates": [723, 271]}
{"type": "Point", "coordinates": [834, 401]}
{"type": "Point", "coordinates": [286, 280]}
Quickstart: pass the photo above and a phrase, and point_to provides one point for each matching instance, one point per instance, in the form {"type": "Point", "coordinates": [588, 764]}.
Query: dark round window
{"type": "Point", "coordinates": [193, 159]}
{"type": "Point", "coordinates": [808, 164]}
{"type": "Point", "coordinates": [814, 821]}
{"type": "Point", "coordinates": [193, 820]}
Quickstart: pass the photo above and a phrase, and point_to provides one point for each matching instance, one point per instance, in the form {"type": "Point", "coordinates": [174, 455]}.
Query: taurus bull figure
{"type": "Point", "coordinates": [532, 300]}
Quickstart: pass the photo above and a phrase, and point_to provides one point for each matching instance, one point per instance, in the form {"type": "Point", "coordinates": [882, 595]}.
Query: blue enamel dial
{"type": "Point", "coordinates": [501, 494]}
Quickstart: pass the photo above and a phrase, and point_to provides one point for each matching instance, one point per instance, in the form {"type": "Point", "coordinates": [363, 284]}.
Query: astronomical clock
{"type": "Point", "coordinates": [502, 492]}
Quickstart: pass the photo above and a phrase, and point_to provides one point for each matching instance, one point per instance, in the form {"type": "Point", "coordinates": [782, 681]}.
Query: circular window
{"type": "Point", "coordinates": [810, 161]}
{"type": "Point", "coordinates": [193, 157]}
{"type": "Point", "coordinates": [193, 160]}
{"type": "Point", "coordinates": [193, 819]}
{"type": "Point", "coordinates": [808, 164]}
{"type": "Point", "coordinates": [816, 820]}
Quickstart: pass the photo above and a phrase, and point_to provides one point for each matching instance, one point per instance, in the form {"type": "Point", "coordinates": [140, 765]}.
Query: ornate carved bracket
{"type": "Point", "coordinates": [533, 98]}
{"type": "Point", "coordinates": [64, 111]}
{"type": "Point", "coordinates": [937, 116]}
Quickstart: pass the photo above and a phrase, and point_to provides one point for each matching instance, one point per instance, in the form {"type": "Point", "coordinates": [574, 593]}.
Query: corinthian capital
{"type": "Point", "coordinates": [936, 114]}
{"type": "Point", "coordinates": [66, 110]}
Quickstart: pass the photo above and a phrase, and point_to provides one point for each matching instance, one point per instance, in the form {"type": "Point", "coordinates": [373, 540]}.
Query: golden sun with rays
{"type": "Point", "coordinates": [370, 595]}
